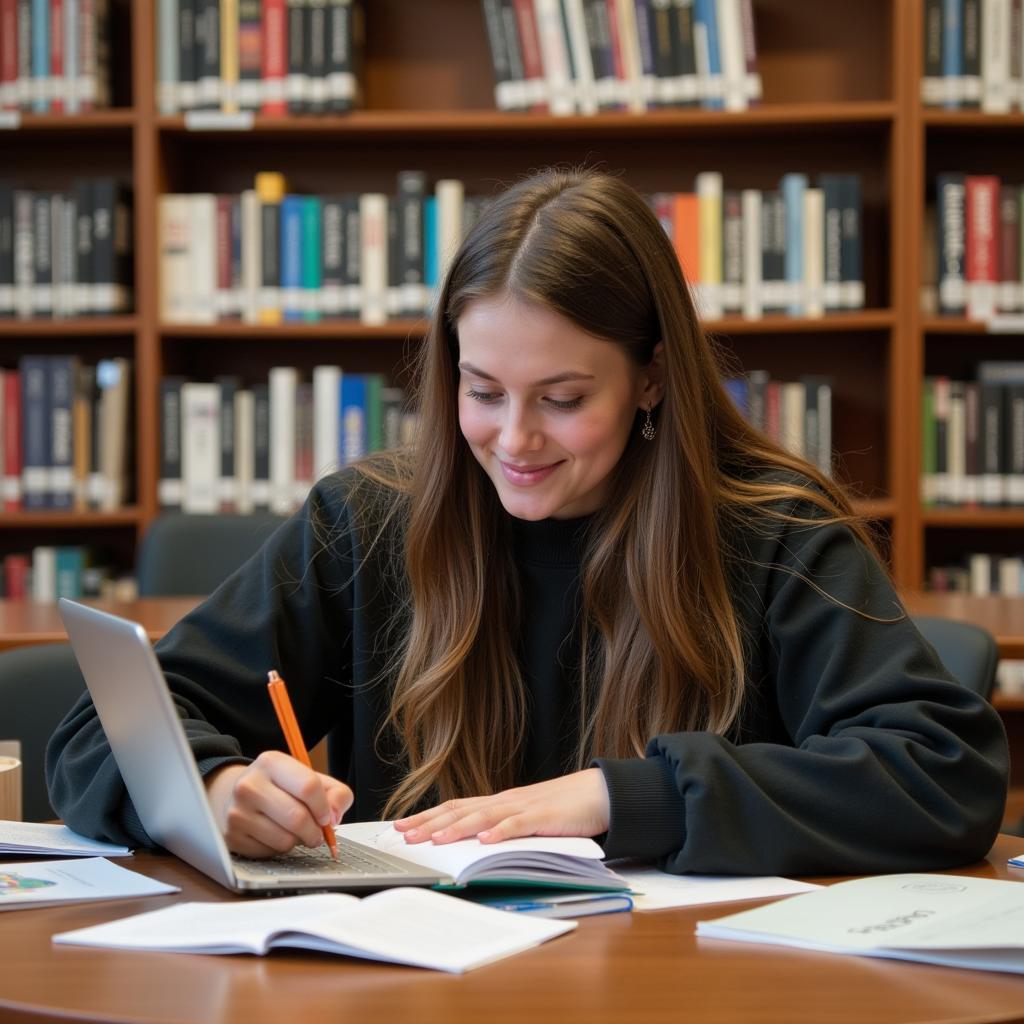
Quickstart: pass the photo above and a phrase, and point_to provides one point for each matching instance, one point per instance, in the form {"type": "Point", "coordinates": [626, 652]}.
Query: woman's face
{"type": "Point", "coordinates": [546, 408]}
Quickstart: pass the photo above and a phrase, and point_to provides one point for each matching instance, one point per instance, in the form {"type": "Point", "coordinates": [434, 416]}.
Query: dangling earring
{"type": "Point", "coordinates": [647, 430]}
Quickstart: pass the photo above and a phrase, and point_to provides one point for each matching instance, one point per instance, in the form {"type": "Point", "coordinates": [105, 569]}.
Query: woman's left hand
{"type": "Point", "coordinates": [573, 805]}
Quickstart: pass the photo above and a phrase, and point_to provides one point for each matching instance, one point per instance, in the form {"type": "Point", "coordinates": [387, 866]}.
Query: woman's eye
{"type": "Point", "coordinates": [481, 396]}
{"type": "Point", "coordinates": [566, 403]}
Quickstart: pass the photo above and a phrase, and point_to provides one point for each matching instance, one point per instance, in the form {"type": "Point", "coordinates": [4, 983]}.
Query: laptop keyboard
{"type": "Point", "coordinates": [352, 859]}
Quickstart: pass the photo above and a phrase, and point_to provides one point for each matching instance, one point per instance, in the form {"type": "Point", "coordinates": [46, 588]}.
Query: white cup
{"type": "Point", "coordinates": [10, 789]}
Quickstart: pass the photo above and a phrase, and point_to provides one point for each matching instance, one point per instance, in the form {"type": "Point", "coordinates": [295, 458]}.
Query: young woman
{"type": "Point", "coordinates": [590, 601]}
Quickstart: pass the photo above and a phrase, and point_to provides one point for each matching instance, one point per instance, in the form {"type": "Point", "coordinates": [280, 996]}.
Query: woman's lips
{"type": "Point", "coordinates": [526, 476]}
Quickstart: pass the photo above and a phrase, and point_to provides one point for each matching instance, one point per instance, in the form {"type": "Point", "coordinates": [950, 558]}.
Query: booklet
{"type": "Point", "coordinates": [416, 927]}
{"type": "Point", "coordinates": [658, 890]}
{"type": "Point", "coordinates": [937, 919]}
{"type": "Point", "coordinates": [39, 839]}
{"type": "Point", "coordinates": [564, 863]}
{"type": "Point", "coordinates": [26, 884]}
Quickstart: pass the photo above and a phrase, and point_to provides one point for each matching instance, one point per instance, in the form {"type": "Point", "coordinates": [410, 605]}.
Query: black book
{"type": "Point", "coordinates": [352, 250]}
{"type": "Point", "coordinates": [261, 446]}
{"type": "Point", "coordinates": [970, 53]}
{"type": "Point", "coordinates": [6, 249]}
{"type": "Point", "coordinates": [169, 487]}
{"type": "Point", "coordinates": [187, 77]}
{"type": "Point", "coordinates": [111, 252]}
{"type": "Point", "coordinates": [207, 50]}
{"type": "Point", "coordinates": [297, 86]}
{"type": "Point", "coordinates": [332, 255]}
{"type": "Point", "coordinates": [316, 45]}
{"type": "Point", "coordinates": [686, 92]}
{"type": "Point", "coordinates": [42, 255]}
{"type": "Point", "coordinates": [412, 190]}
{"type": "Point", "coordinates": [82, 191]}
{"type": "Point", "coordinates": [344, 39]}
{"type": "Point", "coordinates": [250, 53]}
{"type": "Point", "coordinates": [229, 386]}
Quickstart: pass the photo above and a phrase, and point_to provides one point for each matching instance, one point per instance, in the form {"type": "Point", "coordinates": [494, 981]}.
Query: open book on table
{"type": "Point", "coordinates": [559, 862]}
{"type": "Point", "coordinates": [42, 839]}
{"type": "Point", "coordinates": [409, 926]}
{"type": "Point", "coordinates": [937, 919]}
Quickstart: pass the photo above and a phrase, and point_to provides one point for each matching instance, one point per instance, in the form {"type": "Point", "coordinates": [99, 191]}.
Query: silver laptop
{"type": "Point", "coordinates": [145, 733]}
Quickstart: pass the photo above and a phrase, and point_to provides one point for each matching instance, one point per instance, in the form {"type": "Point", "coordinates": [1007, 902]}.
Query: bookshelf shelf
{"type": "Point", "coordinates": [954, 325]}
{"type": "Point", "coordinates": [61, 520]}
{"type": "Point", "coordinates": [974, 518]}
{"type": "Point", "coordinates": [968, 120]}
{"type": "Point", "coordinates": [409, 124]}
{"type": "Point", "coordinates": [330, 330]}
{"type": "Point", "coordinates": [876, 508]}
{"type": "Point", "coordinates": [74, 327]}
{"type": "Point", "coordinates": [866, 320]}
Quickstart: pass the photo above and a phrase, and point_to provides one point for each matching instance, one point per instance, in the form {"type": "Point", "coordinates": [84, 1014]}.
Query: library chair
{"type": "Point", "coordinates": [38, 685]}
{"type": "Point", "coordinates": [967, 650]}
{"type": "Point", "coordinates": [185, 555]}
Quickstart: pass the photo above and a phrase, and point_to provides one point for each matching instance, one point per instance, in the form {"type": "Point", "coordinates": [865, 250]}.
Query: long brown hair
{"type": "Point", "coordinates": [662, 653]}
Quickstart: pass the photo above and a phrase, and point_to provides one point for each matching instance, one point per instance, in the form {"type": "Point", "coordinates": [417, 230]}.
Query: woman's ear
{"type": "Point", "coordinates": [652, 378]}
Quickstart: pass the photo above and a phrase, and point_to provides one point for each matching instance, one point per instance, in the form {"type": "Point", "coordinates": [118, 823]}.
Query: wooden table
{"type": "Point", "coordinates": [619, 968]}
{"type": "Point", "coordinates": [38, 622]}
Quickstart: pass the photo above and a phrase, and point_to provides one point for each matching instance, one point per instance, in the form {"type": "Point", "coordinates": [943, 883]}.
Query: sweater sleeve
{"type": "Point", "coordinates": [287, 608]}
{"type": "Point", "coordinates": [878, 761]}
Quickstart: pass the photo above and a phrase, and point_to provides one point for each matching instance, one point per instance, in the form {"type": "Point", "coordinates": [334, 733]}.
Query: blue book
{"type": "Point", "coordinates": [312, 268]}
{"type": "Point", "coordinates": [35, 431]}
{"type": "Point", "coordinates": [852, 257]}
{"type": "Point", "coordinates": [63, 374]}
{"type": "Point", "coordinates": [354, 425]}
{"type": "Point", "coordinates": [952, 53]}
{"type": "Point", "coordinates": [737, 388]}
{"type": "Point", "coordinates": [705, 34]}
{"type": "Point", "coordinates": [40, 27]}
{"type": "Point", "coordinates": [430, 260]}
{"type": "Point", "coordinates": [793, 187]}
{"type": "Point", "coordinates": [291, 257]}
{"type": "Point", "coordinates": [70, 563]}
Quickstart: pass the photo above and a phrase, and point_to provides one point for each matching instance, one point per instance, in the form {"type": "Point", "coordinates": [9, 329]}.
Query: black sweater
{"type": "Point", "coordinates": [856, 751]}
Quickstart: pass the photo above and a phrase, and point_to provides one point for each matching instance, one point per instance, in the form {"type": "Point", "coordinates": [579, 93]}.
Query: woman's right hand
{"type": "Point", "coordinates": [267, 807]}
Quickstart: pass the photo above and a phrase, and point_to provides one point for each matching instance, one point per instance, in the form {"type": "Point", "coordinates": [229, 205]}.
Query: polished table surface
{"type": "Point", "coordinates": [617, 968]}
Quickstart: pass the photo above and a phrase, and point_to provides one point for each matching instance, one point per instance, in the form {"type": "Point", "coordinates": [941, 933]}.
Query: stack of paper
{"type": "Point", "coordinates": [938, 919]}
{"type": "Point", "coordinates": [46, 883]}
{"type": "Point", "coordinates": [37, 839]}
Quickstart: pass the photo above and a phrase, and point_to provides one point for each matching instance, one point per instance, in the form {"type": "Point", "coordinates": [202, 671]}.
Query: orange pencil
{"type": "Point", "coordinates": [296, 746]}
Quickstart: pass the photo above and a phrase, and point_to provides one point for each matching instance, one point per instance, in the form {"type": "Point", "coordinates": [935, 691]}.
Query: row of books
{"type": "Point", "coordinates": [54, 55]}
{"type": "Point", "coordinates": [983, 574]}
{"type": "Point", "coordinates": [226, 447]}
{"type": "Point", "coordinates": [794, 250]}
{"type": "Point", "coordinates": [583, 56]}
{"type": "Point", "coordinates": [268, 256]}
{"type": "Point", "coordinates": [65, 434]}
{"type": "Point", "coordinates": [66, 254]}
{"type": "Point", "coordinates": [273, 56]}
{"type": "Point", "coordinates": [973, 247]}
{"type": "Point", "coordinates": [974, 55]}
{"type": "Point", "coordinates": [794, 414]}
{"type": "Point", "coordinates": [973, 437]}
{"type": "Point", "coordinates": [48, 572]}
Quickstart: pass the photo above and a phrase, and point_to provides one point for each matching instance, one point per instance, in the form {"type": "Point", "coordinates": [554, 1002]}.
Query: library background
{"type": "Point", "coordinates": [222, 223]}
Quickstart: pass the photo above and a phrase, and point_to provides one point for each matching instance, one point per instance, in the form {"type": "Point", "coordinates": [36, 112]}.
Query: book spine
{"type": "Point", "coordinates": [316, 55]}
{"type": "Point", "coordinates": [111, 283]}
{"type": "Point", "coordinates": [222, 242]}
{"type": "Point", "coordinates": [297, 81]}
{"type": "Point", "coordinates": [595, 14]}
{"type": "Point", "coordinates": [291, 258]}
{"type": "Point", "coordinates": [708, 50]}
{"type": "Point", "coordinates": [752, 247]}
{"type": "Point", "coordinates": [200, 450]}
{"type": "Point", "coordinates": [451, 198]}
{"type": "Point", "coordinates": [72, 55]}
{"type": "Point", "coordinates": [261, 446]}
{"type": "Point", "coordinates": [831, 186]}
{"type": "Point", "coordinates": [793, 187]}
{"type": "Point", "coordinates": [227, 489]}
{"type": "Point", "coordinates": [245, 454]}
{"type": "Point", "coordinates": [202, 207]}
{"type": "Point", "coordinates": [968, 89]}
{"type": "Point", "coordinates": [326, 419]}
{"type": "Point", "coordinates": [352, 255]}
{"type": "Point", "coordinates": [167, 56]}
{"type": "Point", "coordinates": [207, 44]}
{"type": "Point", "coordinates": [274, 27]}
{"type": "Point", "coordinates": [35, 434]}
{"type": "Point", "coordinates": [952, 53]}
{"type": "Point", "coordinates": [412, 189]}
{"type": "Point", "coordinates": [951, 223]}
{"type": "Point", "coordinates": [686, 236]}
{"type": "Point", "coordinates": [814, 254]}
{"type": "Point", "coordinates": [332, 256]}
{"type": "Point", "coordinates": [187, 80]}
{"type": "Point", "coordinates": [982, 214]}
{"type": "Point", "coordinates": [732, 252]}
{"type": "Point", "coordinates": [990, 407]}
{"type": "Point", "coordinates": [1014, 482]}
{"type": "Point", "coordinates": [1009, 248]}
{"type": "Point", "coordinates": [250, 54]}
{"type": "Point", "coordinates": [24, 259]}
{"type": "Point", "coordinates": [56, 91]}
{"type": "Point", "coordinates": [229, 55]}
{"type": "Point", "coordinates": [353, 418]}
{"type": "Point", "coordinates": [42, 256]}
{"type": "Point", "coordinates": [931, 83]}
{"type": "Point", "coordinates": [972, 472]}
{"type": "Point", "coordinates": [629, 51]}
{"type": "Point", "coordinates": [23, 91]}
{"type": "Point", "coordinates": [995, 57]}
{"type": "Point", "coordinates": [11, 495]}
{"type": "Point", "coordinates": [956, 444]}
{"type": "Point", "coordinates": [373, 263]}
{"type": "Point", "coordinates": [312, 268]}
{"type": "Point", "coordinates": [580, 51]}
{"type": "Point", "coordinates": [709, 200]}
{"type": "Point", "coordinates": [851, 257]}
{"type": "Point", "coordinates": [40, 56]}
{"type": "Point", "coordinates": [394, 250]}
{"type": "Point", "coordinates": [250, 256]}
{"type": "Point", "coordinates": [169, 486]}
{"type": "Point", "coordinates": [303, 454]}
{"type": "Point", "coordinates": [343, 91]}
{"type": "Point", "coordinates": [270, 189]}
{"type": "Point", "coordinates": [8, 55]}
{"type": "Point", "coordinates": [6, 250]}
{"type": "Point", "coordinates": [63, 373]}
{"type": "Point", "coordinates": [283, 390]}
{"type": "Point", "coordinates": [535, 85]}
{"type": "Point", "coordinates": [734, 66]}
{"type": "Point", "coordinates": [643, 27]}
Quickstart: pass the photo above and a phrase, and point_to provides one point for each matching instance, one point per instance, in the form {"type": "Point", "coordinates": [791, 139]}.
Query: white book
{"type": "Point", "coordinates": [415, 927]}
{"type": "Point", "coordinates": [200, 447]}
{"type": "Point", "coordinates": [44, 573]}
{"type": "Point", "coordinates": [55, 882]}
{"type": "Point", "coordinates": [167, 56]}
{"type": "Point", "coordinates": [174, 235]}
{"type": "Point", "coordinates": [114, 379]}
{"type": "Point", "coordinates": [1010, 576]}
{"type": "Point", "coordinates": [979, 568]}
{"type": "Point", "coordinates": [956, 444]}
{"type": "Point", "coordinates": [72, 56]}
{"type": "Point", "coordinates": [284, 383]}
{"type": "Point", "coordinates": [373, 258]}
{"type": "Point", "coordinates": [995, 56]}
{"type": "Point", "coordinates": [251, 283]}
{"type": "Point", "coordinates": [708, 187]}
{"type": "Point", "coordinates": [554, 52]}
{"type": "Point", "coordinates": [752, 285]}
{"type": "Point", "coordinates": [939, 919]}
{"type": "Point", "coordinates": [203, 212]}
{"type": "Point", "coordinates": [245, 450]}
{"type": "Point", "coordinates": [733, 61]}
{"type": "Point", "coordinates": [938, 491]}
{"type": "Point", "coordinates": [584, 85]}
{"type": "Point", "coordinates": [326, 420]}
{"type": "Point", "coordinates": [825, 429]}
{"type": "Point", "coordinates": [792, 418]}
{"type": "Point", "coordinates": [814, 252]}
{"type": "Point", "coordinates": [451, 198]}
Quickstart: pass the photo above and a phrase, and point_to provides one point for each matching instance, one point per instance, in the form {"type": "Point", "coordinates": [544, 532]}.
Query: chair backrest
{"type": "Point", "coordinates": [38, 685]}
{"type": "Point", "coordinates": [182, 555]}
{"type": "Point", "coordinates": [968, 651]}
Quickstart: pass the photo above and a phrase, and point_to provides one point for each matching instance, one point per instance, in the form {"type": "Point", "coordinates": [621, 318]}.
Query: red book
{"type": "Point", "coordinates": [11, 479]}
{"type": "Point", "coordinates": [8, 54]}
{"type": "Point", "coordinates": [223, 243]}
{"type": "Point", "coordinates": [16, 570]}
{"type": "Point", "coordinates": [773, 410]}
{"type": "Point", "coordinates": [87, 55]}
{"type": "Point", "coordinates": [57, 56]}
{"type": "Point", "coordinates": [1009, 249]}
{"type": "Point", "coordinates": [275, 58]}
{"type": "Point", "coordinates": [616, 45]}
{"type": "Point", "coordinates": [686, 235]}
{"type": "Point", "coordinates": [982, 245]}
{"type": "Point", "coordinates": [533, 64]}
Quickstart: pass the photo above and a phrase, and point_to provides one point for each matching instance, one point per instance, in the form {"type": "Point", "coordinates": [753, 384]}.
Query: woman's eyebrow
{"type": "Point", "coordinates": [558, 378]}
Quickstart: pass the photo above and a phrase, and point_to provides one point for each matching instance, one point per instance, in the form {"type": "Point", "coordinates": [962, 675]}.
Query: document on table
{"type": "Point", "coordinates": [39, 840]}
{"type": "Point", "coordinates": [25, 884]}
{"type": "Point", "coordinates": [658, 890]}
{"type": "Point", "coordinates": [938, 919]}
